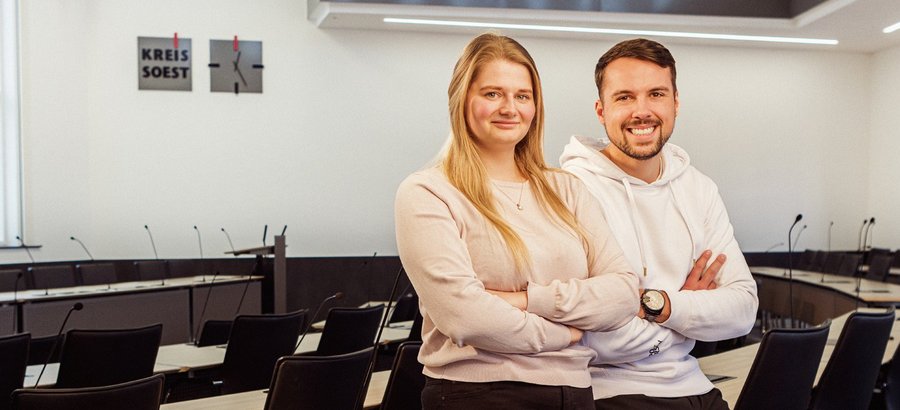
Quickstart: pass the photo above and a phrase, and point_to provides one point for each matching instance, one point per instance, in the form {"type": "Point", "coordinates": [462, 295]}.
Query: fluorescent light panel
{"type": "Point", "coordinates": [454, 23]}
{"type": "Point", "coordinates": [892, 28]}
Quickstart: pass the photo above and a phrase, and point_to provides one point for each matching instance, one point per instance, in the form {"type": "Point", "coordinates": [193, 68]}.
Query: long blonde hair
{"type": "Point", "coordinates": [462, 163]}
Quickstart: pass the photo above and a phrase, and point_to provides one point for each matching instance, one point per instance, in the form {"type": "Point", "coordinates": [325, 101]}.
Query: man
{"type": "Point", "coordinates": [669, 220]}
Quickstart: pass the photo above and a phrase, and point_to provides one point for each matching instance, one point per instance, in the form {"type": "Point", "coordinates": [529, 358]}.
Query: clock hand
{"type": "Point", "coordinates": [241, 75]}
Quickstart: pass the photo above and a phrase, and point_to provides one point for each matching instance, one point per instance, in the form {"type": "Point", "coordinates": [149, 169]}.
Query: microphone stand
{"type": "Point", "coordinates": [153, 244]}
{"type": "Point", "coordinates": [859, 241]}
{"type": "Point", "coordinates": [830, 225]}
{"type": "Point", "coordinates": [27, 251]}
{"type": "Point", "coordinates": [16, 325]}
{"type": "Point", "coordinates": [203, 311]}
{"type": "Point", "coordinates": [312, 320]}
{"type": "Point", "coordinates": [361, 395]}
{"type": "Point", "coordinates": [83, 247]}
{"type": "Point", "coordinates": [76, 306]}
{"type": "Point", "coordinates": [791, 267]}
{"type": "Point", "coordinates": [227, 236]}
{"type": "Point", "coordinates": [200, 244]}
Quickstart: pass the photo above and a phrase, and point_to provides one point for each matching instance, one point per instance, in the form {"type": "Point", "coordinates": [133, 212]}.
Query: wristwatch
{"type": "Point", "coordinates": [653, 302]}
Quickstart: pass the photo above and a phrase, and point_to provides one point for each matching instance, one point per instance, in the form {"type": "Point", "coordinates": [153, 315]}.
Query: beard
{"type": "Point", "coordinates": [644, 153]}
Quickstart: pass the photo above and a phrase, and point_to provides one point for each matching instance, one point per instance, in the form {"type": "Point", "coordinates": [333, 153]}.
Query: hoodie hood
{"type": "Point", "coordinates": [584, 152]}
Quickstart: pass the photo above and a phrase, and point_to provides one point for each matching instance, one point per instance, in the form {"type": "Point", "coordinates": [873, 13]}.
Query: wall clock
{"type": "Point", "coordinates": [235, 66]}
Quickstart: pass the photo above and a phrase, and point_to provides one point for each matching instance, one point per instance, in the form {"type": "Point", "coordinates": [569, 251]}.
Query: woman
{"type": "Point", "coordinates": [491, 219]}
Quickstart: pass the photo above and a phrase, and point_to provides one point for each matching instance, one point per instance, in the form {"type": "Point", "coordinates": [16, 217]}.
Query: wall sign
{"type": "Point", "coordinates": [235, 66]}
{"type": "Point", "coordinates": [164, 63]}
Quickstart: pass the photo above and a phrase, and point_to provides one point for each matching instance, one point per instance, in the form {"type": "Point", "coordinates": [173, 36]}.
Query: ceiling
{"type": "Point", "coordinates": [856, 24]}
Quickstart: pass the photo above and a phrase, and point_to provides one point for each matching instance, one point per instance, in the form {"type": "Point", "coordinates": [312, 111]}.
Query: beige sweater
{"type": "Point", "coordinates": [451, 254]}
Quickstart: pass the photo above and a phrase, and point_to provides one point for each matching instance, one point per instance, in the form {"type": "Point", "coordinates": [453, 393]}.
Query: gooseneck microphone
{"type": "Point", "coordinates": [791, 265]}
{"type": "Point", "coordinates": [229, 242]}
{"type": "Point", "coordinates": [265, 231]}
{"type": "Point", "coordinates": [200, 245]}
{"type": "Point", "coordinates": [83, 247]}
{"type": "Point", "coordinates": [361, 394]}
{"type": "Point", "coordinates": [867, 241]}
{"type": "Point", "coordinates": [28, 251]}
{"type": "Point", "coordinates": [859, 241]}
{"type": "Point", "coordinates": [203, 311]}
{"type": "Point", "coordinates": [797, 238]}
{"type": "Point", "coordinates": [77, 306]}
{"type": "Point", "coordinates": [773, 247]}
{"type": "Point", "coordinates": [312, 320]}
{"type": "Point", "coordinates": [156, 255]}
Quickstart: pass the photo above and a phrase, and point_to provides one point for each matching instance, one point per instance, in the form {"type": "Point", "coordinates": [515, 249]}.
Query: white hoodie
{"type": "Point", "coordinates": [663, 227]}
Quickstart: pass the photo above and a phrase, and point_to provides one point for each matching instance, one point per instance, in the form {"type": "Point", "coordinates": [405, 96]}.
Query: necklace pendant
{"type": "Point", "coordinates": [519, 207]}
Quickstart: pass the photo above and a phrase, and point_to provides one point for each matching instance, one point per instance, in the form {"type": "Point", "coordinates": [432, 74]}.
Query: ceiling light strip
{"type": "Point", "coordinates": [892, 28]}
{"type": "Point", "coordinates": [454, 23]}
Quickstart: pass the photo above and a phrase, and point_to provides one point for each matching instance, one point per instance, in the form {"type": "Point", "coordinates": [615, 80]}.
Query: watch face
{"type": "Point", "coordinates": [653, 300]}
{"type": "Point", "coordinates": [234, 67]}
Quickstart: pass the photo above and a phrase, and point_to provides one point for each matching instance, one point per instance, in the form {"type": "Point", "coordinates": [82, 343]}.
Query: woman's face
{"type": "Point", "coordinates": [500, 105]}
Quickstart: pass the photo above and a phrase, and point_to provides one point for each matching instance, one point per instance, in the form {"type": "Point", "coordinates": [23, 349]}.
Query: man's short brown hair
{"type": "Point", "coordinates": [641, 49]}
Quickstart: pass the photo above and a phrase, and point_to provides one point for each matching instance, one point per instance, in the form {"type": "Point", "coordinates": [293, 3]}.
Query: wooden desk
{"type": "Point", "coordinates": [736, 363]}
{"type": "Point", "coordinates": [132, 304]}
{"type": "Point", "coordinates": [257, 399]}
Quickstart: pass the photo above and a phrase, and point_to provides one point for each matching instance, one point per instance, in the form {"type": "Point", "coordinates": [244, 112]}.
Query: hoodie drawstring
{"type": "Point", "coordinates": [637, 232]}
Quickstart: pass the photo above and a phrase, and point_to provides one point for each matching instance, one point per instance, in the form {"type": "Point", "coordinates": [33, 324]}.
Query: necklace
{"type": "Point", "coordinates": [521, 190]}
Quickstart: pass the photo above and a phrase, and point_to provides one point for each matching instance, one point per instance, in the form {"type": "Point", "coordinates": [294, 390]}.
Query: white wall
{"type": "Point", "coordinates": [884, 149]}
{"type": "Point", "coordinates": [346, 115]}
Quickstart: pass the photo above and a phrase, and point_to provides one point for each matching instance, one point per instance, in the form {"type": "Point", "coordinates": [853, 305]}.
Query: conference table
{"type": "Point", "coordinates": [813, 297]}
{"type": "Point", "coordinates": [178, 303]}
{"type": "Point", "coordinates": [729, 370]}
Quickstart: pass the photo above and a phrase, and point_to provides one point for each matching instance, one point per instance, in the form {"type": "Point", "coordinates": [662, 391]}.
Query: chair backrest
{"type": "Point", "coordinates": [96, 273]}
{"type": "Point", "coordinates": [849, 376]}
{"type": "Point", "coordinates": [214, 332]}
{"type": "Point", "coordinates": [8, 279]}
{"type": "Point", "coordinates": [349, 330]}
{"type": "Point", "coordinates": [91, 358]}
{"type": "Point", "coordinates": [404, 387]}
{"type": "Point", "coordinates": [255, 344]}
{"type": "Point", "coordinates": [806, 259]}
{"type": "Point", "coordinates": [151, 270]}
{"type": "Point", "coordinates": [415, 332]}
{"type": "Point", "coordinates": [880, 266]}
{"type": "Point", "coordinates": [832, 262]}
{"type": "Point", "coordinates": [318, 382]}
{"type": "Point", "coordinates": [44, 349]}
{"type": "Point", "coordinates": [850, 264]}
{"type": "Point", "coordinates": [141, 394]}
{"type": "Point", "coordinates": [179, 268]}
{"type": "Point", "coordinates": [405, 308]}
{"type": "Point", "coordinates": [13, 355]}
{"type": "Point", "coordinates": [818, 261]}
{"type": "Point", "coordinates": [891, 388]}
{"type": "Point", "coordinates": [783, 372]}
{"type": "Point", "coordinates": [51, 277]}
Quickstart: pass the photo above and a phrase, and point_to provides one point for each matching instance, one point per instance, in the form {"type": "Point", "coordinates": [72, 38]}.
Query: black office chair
{"type": "Point", "coordinates": [51, 277]}
{"type": "Point", "coordinates": [96, 273]}
{"type": "Point", "coordinates": [180, 268]}
{"type": "Point", "coordinates": [151, 270]}
{"type": "Point", "coordinates": [880, 266]}
{"type": "Point", "coordinates": [890, 388]}
{"type": "Point", "coordinates": [405, 308]}
{"type": "Point", "coordinates": [91, 358]}
{"type": "Point", "coordinates": [319, 382]}
{"type": "Point", "coordinates": [42, 350]}
{"type": "Point", "coordinates": [404, 387]}
{"type": "Point", "coordinates": [703, 349]}
{"type": "Point", "coordinates": [13, 355]}
{"type": "Point", "coordinates": [255, 344]}
{"type": "Point", "coordinates": [349, 330]}
{"type": "Point", "coordinates": [832, 262]}
{"type": "Point", "coordinates": [10, 280]}
{"type": "Point", "coordinates": [849, 376]}
{"type": "Point", "coordinates": [782, 374]}
{"type": "Point", "coordinates": [214, 332]}
{"type": "Point", "coordinates": [141, 394]}
{"type": "Point", "coordinates": [415, 332]}
{"type": "Point", "coordinates": [850, 265]}
{"type": "Point", "coordinates": [806, 259]}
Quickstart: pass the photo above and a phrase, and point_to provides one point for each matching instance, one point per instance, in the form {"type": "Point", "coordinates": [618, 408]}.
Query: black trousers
{"type": "Point", "coordinates": [452, 395]}
{"type": "Point", "coordinates": [709, 401]}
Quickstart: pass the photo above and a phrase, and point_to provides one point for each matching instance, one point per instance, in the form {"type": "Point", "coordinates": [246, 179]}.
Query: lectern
{"type": "Point", "coordinates": [274, 289]}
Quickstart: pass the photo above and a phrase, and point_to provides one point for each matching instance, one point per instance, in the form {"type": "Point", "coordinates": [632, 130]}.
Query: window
{"type": "Point", "coordinates": [10, 152]}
